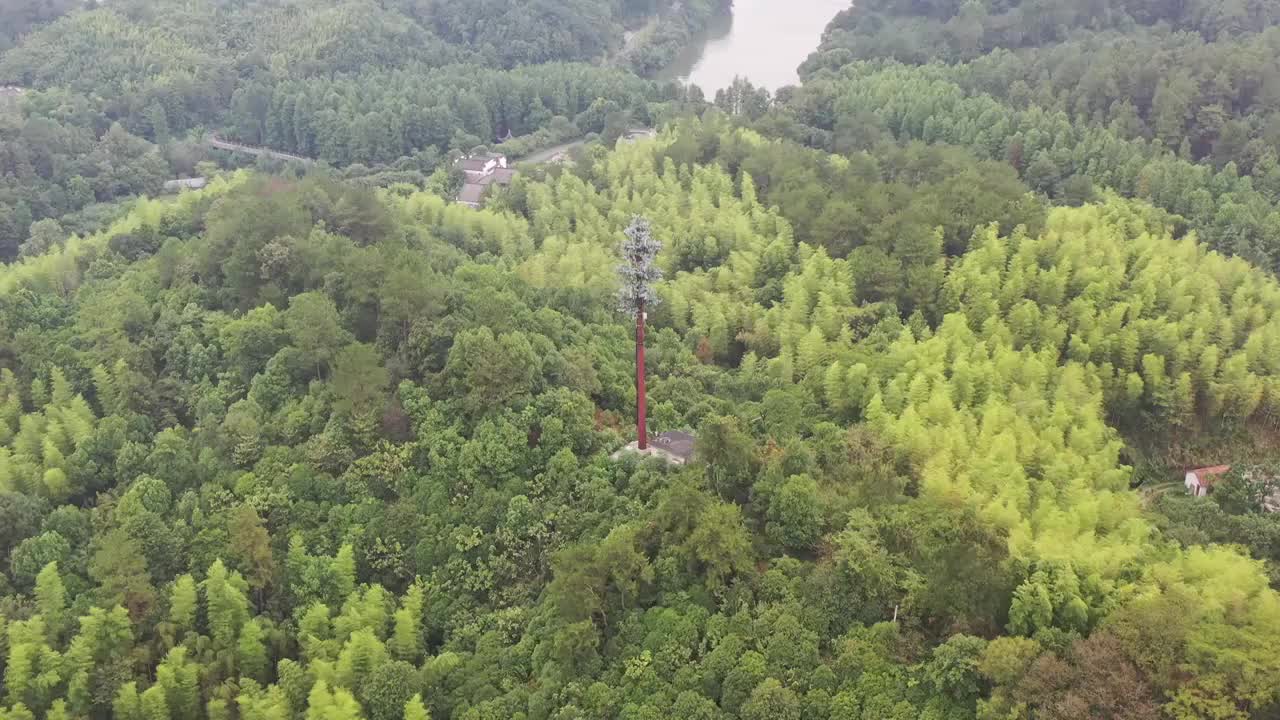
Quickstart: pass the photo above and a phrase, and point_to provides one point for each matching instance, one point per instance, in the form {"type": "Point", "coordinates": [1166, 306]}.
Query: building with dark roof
{"type": "Point", "coordinates": [478, 166]}
{"type": "Point", "coordinates": [675, 447]}
{"type": "Point", "coordinates": [472, 194]}
{"type": "Point", "coordinates": [481, 171]}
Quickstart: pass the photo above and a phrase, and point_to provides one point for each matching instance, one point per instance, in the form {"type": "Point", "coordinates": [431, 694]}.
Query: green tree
{"type": "Point", "coordinates": [226, 605]}
{"type": "Point", "coordinates": [44, 235]}
{"type": "Point", "coordinates": [415, 710]}
{"type": "Point", "coordinates": [251, 547]}
{"type": "Point", "coordinates": [251, 652]}
{"type": "Point", "coordinates": [128, 704]}
{"type": "Point", "coordinates": [98, 660]}
{"type": "Point", "coordinates": [953, 669]}
{"type": "Point", "coordinates": [489, 372]}
{"type": "Point", "coordinates": [35, 554]}
{"type": "Point", "coordinates": [336, 704]}
{"type": "Point", "coordinates": [771, 701]}
{"type": "Point", "coordinates": [183, 603]}
{"type": "Point", "coordinates": [120, 568]}
{"type": "Point", "coordinates": [361, 655]}
{"type": "Point", "coordinates": [252, 339]}
{"type": "Point", "coordinates": [314, 328]}
{"type": "Point", "coordinates": [721, 544]}
{"type": "Point", "coordinates": [406, 637]}
{"type": "Point", "coordinates": [180, 678]}
{"type": "Point", "coordinates": [51, 599]}
{"type": "Point", "coordinates": [359, 380]}
{"type": "Point", "coordinates": [727, 454]}
{"type": "Point", "coordinates": [154, 704]}
{"type": "Point", "coordinates": [388, 690]}
{"type": "Point", "coordinates": [795, 515]}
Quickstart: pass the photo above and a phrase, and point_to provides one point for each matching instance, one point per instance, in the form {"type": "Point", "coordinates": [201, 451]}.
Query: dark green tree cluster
{"type": "Point", "coordinates": [1218, 101]}
{"type": "Point", "coordinates": [510, 33]}
{"type": "Point", "coordinates": [1174, 103]}
{"type": "Point", "coordinates": [52, 169]}
{"type": "Point", "coordinates": [870, 103]}
{"type": "Point", "coordinates": [959, 30]}
{"type": "Point", "coordinates": [1205, 100]}
{"type": "Point", "coordinates": [379, 117]}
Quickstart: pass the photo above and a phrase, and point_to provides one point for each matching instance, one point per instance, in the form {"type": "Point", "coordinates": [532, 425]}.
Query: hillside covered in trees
{"type": "Point", "coordinates": [295, 449]}
{"type": "Point", "coordinates": [946, 319]}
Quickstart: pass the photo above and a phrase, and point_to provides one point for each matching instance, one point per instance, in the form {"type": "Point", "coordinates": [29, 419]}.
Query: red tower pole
{"type": "Point", "coordinates": [642, 433]}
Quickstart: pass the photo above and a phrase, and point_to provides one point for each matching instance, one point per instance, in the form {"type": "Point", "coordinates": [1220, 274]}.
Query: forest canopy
{"type": "Point", "coordinates": [292, 447]}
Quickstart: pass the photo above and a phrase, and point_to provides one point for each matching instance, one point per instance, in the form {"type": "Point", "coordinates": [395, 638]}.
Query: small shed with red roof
{"type": "Point", "coordinates": [1200, 480]}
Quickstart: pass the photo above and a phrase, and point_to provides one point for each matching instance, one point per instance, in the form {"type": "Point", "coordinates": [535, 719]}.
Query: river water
{"type": "Point", "coordinates": [761, 40]}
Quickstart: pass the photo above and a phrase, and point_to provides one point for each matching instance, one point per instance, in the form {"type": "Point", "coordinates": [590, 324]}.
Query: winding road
{"type": "Point", "coordinates": [540, 156]}
{"type": "Point", "coordinates": [257, 150]}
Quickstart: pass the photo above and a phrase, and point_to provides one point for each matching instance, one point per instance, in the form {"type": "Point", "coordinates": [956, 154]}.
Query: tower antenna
{"type": "Point", "coordinates": [639, 272]}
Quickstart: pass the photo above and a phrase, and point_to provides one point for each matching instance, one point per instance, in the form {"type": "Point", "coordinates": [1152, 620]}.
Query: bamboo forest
{"type": "Point", "coordinates": [946, 382]}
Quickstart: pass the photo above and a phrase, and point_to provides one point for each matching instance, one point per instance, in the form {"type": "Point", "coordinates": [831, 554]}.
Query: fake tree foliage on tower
{"type": "Point", "coordinates": [639, 272]}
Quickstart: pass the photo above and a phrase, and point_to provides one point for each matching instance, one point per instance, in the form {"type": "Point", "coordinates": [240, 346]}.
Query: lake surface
{"type": "Point", "coordinates": [761, 40]}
